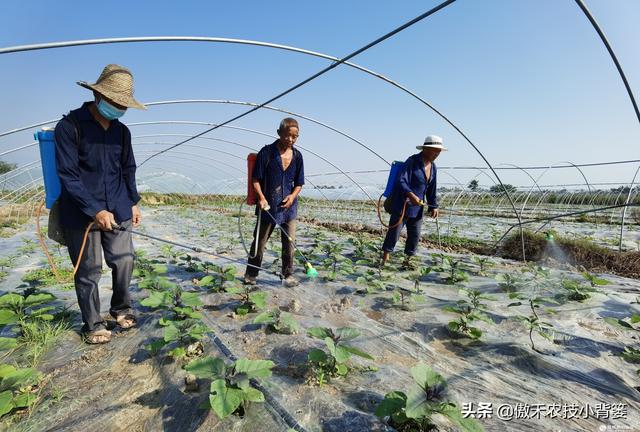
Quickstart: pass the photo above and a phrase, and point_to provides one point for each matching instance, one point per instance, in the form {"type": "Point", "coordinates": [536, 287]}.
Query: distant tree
{"type": "Point", "coordinates": [473, 185]}
{"type": "Point", "coordinates": [5, 167]}
{"type": "Point", "coordinates": [498, 189]}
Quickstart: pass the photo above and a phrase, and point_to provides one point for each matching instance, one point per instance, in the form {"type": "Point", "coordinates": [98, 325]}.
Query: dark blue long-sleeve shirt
{"type": "Point", "coordinates": [412, 178]}
{"type": "Point", "coordinates": [98, 173]}
{"type": "Point", "coordinates": [277, 183]}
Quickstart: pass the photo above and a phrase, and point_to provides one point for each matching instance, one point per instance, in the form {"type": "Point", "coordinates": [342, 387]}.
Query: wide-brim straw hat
{"type": "Point", "coordinates": [432, 141]}
{"type": "Point", "coordinates": [116, 83]}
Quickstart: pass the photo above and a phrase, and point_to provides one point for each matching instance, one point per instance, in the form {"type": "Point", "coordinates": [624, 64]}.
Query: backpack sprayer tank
{"type": "Point", "coordinates": [47, 144]}
{"type": "Point", "coordinates": [396, 166]}
{"type": "Point", "coordinates": [251, 192]}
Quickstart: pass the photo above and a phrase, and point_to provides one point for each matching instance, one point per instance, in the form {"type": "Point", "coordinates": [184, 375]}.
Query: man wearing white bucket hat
{"type": "Point", "coordinates": [415, 184]}
{"type": "Point", "coordinates": [95, 163]}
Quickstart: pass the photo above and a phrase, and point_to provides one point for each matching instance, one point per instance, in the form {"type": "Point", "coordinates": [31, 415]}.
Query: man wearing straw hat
{"type": "Point", "coordinates": [97, 170]}
{"type": "Point", "coordinates": [415, 184]}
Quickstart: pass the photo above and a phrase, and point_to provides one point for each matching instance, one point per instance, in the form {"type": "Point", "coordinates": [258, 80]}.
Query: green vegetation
{"type": "Point", "coordinates": [333, 362]}
{"type": "Point", "coordinates": [231, 390]}
{"type": "Point", "coordinates": [278, 321]}
{"type": "Point", "coordinates": [414, 411]}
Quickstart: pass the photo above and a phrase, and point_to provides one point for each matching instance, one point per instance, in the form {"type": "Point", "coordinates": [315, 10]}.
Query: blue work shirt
{"type": "Point", "coordinates": [412, 178]}
{"type": "Point", "coordinates": [98, 173]}
{"type": "Point", "coordinates": [277, 183]}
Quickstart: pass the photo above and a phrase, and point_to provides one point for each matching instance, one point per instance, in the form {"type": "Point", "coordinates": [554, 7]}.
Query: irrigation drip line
{"type": "Point", "coordinates": [317, 74]}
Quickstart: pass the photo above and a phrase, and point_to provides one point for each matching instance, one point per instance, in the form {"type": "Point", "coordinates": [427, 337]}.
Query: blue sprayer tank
{"type": "Point", "coordinates": [47, 146]}
{"type": "Point", "coordinates": [396, 166]}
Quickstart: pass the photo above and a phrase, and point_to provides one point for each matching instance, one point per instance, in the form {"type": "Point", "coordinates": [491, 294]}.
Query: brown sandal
{"type": "Point", "coordinates": [126, 321]}
{"type": "Point", "coordinates": [100, 336]}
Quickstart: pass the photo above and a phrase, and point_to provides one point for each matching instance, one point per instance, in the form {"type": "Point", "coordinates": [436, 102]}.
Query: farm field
{"type": "Point", "coordinates": [542, 348]}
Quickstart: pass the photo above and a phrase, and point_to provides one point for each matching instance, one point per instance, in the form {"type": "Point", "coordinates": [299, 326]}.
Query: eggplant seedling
{"type": "Point", "coordinates": [533, 322]}
{"type": "Point", "coordinates": [333, 363]}
{"type": "Point", "coordinates": [278, 321]}
{"type": "Point", "coordinates": [231, 389]}
{"type": "Point", "coordinates": [220, 275]}
{"type": "Point", "coordinates": [469, 310]}
{"type": "Point", "coordinates": [455, 269]}
{"type": "Point", "coordinates": [372, 281]}
{"type": "Point", "coordinates": [186, 334]}
{"type": "Point", "coordinates": [509, 282]}
{"type": "Point", "coordinates": [413, 411]}
{"type": "Point", "coordinates": [405, 299]}
{"type": "Point", "coordinates": [484, 263]}
{"type": "Point", "coordinates": [182, 303]}
{"type": "Point", "coordinates": [249, 301]}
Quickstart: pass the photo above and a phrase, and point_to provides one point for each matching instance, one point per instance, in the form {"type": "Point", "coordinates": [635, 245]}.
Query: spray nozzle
{"type": "Point", "coordinates": [548, 236]}
{"type": "Point", "coordinates": [311, 272]}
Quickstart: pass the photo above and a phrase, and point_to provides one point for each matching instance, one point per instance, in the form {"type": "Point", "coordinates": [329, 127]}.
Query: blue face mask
{"type": "Point", "coordinates": [108, 111]}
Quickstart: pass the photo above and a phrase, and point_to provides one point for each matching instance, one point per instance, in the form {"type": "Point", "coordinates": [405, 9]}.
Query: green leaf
{"type": "Point", "coordinates": [171, 333]}
{"type": "Point", "coordinates": [208, 367]}
{"type": "Point", "coordinates": [206, 281]}
{"type": "Point", "coordinates": [342, 369]}
{"type": "Point", "coordinates": [317, 355]}
{"type": "Point", "coordinates": [158, 299]}
{"type": "Point", "coordinates": [340, 352]}
{"type": "Point", "coordinates": [288, 323]}
{"type": "Point", "coordinates": [35, 299]}
{"type": "Point", "coordinates": [357, 352]}
{"type": "Point", "coordinates": [475, 333]}
{"type": "Point", "coordinates": [24, 400]}
{"type": "Point", "coordinates": [618, 323]}
{"type": "Point", "coordinates": [164, 322]}
{"type": "Point", "coordinates": [191, 299]}
{"type": "Point", "coordinates": [155, 346]}
{"type": "Point", "coordinates": [259, 299]}
{"type": "Point", "coordinates": [319, 332]}
{"type": "Point", "coordinates": [6, 369]}
{"type": "Point", "coordinates": [224, 401]}
{"type": "Point", "coordinates": [160, 269]}
{"type": "Point", "coordinates": [19, 378]}
{"type": "Point", "coordinates": [198, 331]}
{"type": "Point", "coordinates": [243, 309]}
{"type": "Point", "coordinates": [453, 413]}
{"type": "Point", "coordinates": [635, 319]}
{"type": "Point", "coordinates": [253, 395]}
{"type": "Point", "coordinates": [7, 317]}
{"type": "Point", "coordinates": [392, 403]}
{"type": "Point", "coordinates": [177, 352]}
{"type": "Point", "coordinates": [266, 317]}
{"type": "Point", "coordinates": [426, 377]}
{"type": "Point", "coordinates": [417, 405]}
{"type": "Point", "coordinates": [254, 368]}
{"type": "Point", "coordinates": [188, 312]}
{"type": "Point", "coordinates": [8, 343]}
{"type": "Point", "coordinates": [347, 333]}
{"type": "Point", "coordinates": [11, 299]}
{"type": "Point", "coordinates": [6, 402]}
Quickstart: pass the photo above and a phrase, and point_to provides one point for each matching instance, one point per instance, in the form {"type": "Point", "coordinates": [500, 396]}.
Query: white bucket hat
{"type": "Point", "coordinates": [116, 83]}
{"type": "Point", "coordinates": [432, 141]}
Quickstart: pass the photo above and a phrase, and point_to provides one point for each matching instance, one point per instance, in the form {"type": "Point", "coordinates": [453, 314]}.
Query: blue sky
{"type": "Point", "coordinates": [528, 81]}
